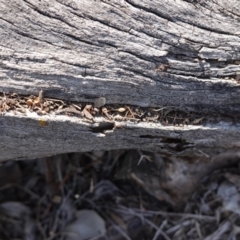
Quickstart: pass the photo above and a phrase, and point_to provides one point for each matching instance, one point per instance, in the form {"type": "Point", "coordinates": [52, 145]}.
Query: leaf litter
{"type": "Point", "coordinates": [59, 196]}
{"type": "Point", "coordinates": [167, 115]}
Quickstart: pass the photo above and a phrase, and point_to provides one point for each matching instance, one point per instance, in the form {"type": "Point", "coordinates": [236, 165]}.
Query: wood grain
{"type": "Point", "coordinates": [146, 53]}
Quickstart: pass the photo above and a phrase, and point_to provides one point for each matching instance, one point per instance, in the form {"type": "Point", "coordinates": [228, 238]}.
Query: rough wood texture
{"type": "Point", "coordinates": [146, 53]}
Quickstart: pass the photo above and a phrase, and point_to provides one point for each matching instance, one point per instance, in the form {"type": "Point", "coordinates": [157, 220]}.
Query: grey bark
{"type": "Point", "coordinates": [146, 53]}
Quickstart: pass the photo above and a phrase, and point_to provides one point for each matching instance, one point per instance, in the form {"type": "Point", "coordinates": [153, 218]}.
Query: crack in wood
{"type": "Point", "coordinates": [167, 116]}
{"type": "Point", "coordinates": [102, 127]}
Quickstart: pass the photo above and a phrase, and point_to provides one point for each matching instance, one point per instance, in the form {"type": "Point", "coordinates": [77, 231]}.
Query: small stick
{"type": "Point", "coordinates": [129, 109]}
{"type": "Point", "coordinates": [41, 96]}
{"type": "Point", "coordinates": [69, 110]}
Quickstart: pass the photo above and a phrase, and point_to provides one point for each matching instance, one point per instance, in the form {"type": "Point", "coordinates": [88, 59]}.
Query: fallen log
{"type": "Point", "coordinates": [179, 59]}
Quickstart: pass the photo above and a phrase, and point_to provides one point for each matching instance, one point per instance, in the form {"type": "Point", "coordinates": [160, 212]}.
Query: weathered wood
{"type": "Point", "coordinates": [27, 137]}
{"type": "Point", "coordinates": [179, 53]}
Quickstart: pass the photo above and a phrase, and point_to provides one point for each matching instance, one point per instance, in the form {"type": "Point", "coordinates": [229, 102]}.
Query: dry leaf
{"type": "Point", "coordinates": [104, 110]}
{"type": "Point", "coordinates": [99, 102]}
{"type": "Point", "coordinates": [36, 101]}
{"type": "Point", "coordinates": [88, 107]}
{"type": "Point", "coordinates": [198, 120]}
{"type": "Point", "coordinates": [10, 102]}
{"type": "Point", "coordinates": [15, 209]}
{"type": "Point", "coordinates": [230, 196]}
{"type": "Point", "coordinates": [121, 110]}
{"type": "Point", "coordinates": [6, 107]}
{"type": "Point", "coordinates": [87, 114]}
{"type": "Point", "coordinates": [88, 225]}
{"type": "Point", "coordinates": [29, 102]}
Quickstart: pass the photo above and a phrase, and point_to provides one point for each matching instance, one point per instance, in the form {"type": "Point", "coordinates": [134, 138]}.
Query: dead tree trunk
{"type": "Point", "coordinates": [149, 53]}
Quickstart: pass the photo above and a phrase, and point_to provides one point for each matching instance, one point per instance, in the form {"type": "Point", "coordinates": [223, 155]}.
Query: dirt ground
{"type": "Point", "coordinates": [118, 195]}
